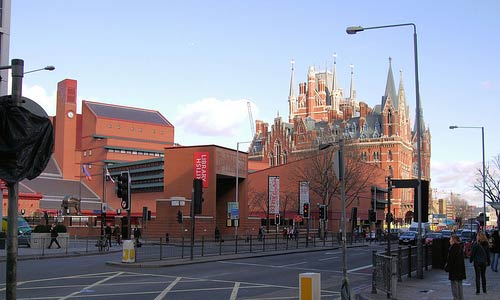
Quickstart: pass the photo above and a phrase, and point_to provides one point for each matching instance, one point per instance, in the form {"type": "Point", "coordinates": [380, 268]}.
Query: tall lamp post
{"type": "Point", "coordinates": [484, 175]}
{"type": "Point", "coordinates": [237, 180]}
{"type": "Point", "coordinates": [356, 29]}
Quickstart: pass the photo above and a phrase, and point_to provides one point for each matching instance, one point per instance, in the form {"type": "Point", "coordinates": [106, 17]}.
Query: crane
{"type": "Point", "coordinates": [252, 125]}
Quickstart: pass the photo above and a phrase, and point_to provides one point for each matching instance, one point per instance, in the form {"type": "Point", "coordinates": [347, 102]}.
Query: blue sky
{"type": "Point", "coordinates": [200, 62]}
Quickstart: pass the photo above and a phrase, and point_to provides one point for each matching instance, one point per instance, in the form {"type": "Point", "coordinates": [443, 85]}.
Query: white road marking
{"type": "Point", "coordinates": [328, 258]}
{"type": "Point", "coordinates": [91, 286]}
{"type": "Point", "coordinates": [168, 288]}
{"type": "Point", "coordinates": [360, 268]}
{"type": "Point", "coordinates": [295, 264]}
{"type": "Point", "coordinates": [234, 293]}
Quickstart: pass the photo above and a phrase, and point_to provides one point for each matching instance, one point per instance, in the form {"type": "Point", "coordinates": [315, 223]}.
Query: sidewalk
{"type": "Point", "coordinates": [435, 285]}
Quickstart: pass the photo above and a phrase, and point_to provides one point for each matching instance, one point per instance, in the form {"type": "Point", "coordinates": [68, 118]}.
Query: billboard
{"type": "Point", "coordinates": [274, 195]}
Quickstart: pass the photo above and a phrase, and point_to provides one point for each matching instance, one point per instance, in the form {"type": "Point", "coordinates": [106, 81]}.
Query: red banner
{"type": "Point", "coordinates": [201, 167]}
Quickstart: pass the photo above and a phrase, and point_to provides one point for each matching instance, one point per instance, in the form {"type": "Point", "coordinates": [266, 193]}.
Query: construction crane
{"type": "Point", "coordinates": [252, 125]}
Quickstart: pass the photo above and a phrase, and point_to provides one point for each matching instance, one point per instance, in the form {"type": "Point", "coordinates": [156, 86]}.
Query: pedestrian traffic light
{"type": "Point", "coordinates": [179, 216]}
{"type": "Point", "coordinates": [322, 212]}
{"type": "Point", "coordinates": [197, 195]}
{"type": "Point", "coordinates": [123, 189]}
{"type": "Point", "coordinates": [305, 211]}
{"type": "Point", "coordinates": [277, 219]}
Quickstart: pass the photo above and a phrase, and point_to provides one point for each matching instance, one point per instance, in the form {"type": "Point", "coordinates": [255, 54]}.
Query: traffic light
{"type": "Point", "coordinates": [480, 219]}
{"type": "Point", "coordinates": [123, 189]}
{"type": "Point", "coordinates": [306, 210]}
{"type": "Point", "coordinates": [372, 216]}
{"type": "Point", "coordinates": [322, 212]}
{"type": "Point", "coordinates": [198, 195]}
{"type": "Point", "coordinates": [179, 217]}
{"type": "Point", "coordinates": [277, 219]}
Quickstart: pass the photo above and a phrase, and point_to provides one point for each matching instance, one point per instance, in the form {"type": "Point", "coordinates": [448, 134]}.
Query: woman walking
{"type": "Point", "coordinates": [495, 250]}
{"type": "Point", "coordinates": [455, 266]}
{"type": "Point", "coordinates": [480, 256]}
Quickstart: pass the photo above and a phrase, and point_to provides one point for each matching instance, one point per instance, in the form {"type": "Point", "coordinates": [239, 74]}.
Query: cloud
{"type": "Point", "coordinates": [40, 96]}
{"type": "Point", "coordinates": [487, 85]}
{"type": "Point", "coordinates": [458, 178]}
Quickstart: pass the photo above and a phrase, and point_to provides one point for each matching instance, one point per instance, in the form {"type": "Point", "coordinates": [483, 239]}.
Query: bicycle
{"type": "Point", "coordinates": [102, 244]}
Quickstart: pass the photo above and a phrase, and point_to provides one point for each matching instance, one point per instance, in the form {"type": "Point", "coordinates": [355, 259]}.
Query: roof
{"type": "Point", "coordinates": [127, 113]}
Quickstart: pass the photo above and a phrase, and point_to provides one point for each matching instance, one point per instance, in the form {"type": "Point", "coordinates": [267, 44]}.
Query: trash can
{"type": "Point", "coordinates": [128, 251]}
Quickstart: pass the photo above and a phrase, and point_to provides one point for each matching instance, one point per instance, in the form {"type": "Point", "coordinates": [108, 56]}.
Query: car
{"type": "Point", "coordinates": [408, 238]}
{"type": "Point", "coordinates": [468, 235]}
{"type": "Point", "coordinates": [431, 236]}
{"type": "Point", "coordinates": [23, 231]}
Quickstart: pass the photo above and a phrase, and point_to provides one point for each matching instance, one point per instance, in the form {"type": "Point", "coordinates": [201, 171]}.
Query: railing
{"type": "Point", "coordinates": [388, 270]}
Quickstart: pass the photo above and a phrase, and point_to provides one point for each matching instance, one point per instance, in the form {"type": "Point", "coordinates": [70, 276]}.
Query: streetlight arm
{"type": "Point", "coordinates": [356, 29]}
{"type": "Point", "coordinates": [47, 68]}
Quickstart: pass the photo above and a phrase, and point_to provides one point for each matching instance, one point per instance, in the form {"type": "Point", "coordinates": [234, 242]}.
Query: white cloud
{"type": "Point", "coordinates": [458, 178]}
{"type": "Point", "coordinates": [213, 121]}
{"type": "Point", "coordinates": [40, 96]}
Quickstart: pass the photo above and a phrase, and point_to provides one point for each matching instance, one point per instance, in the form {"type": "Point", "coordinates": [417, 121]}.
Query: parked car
{"type": "Point", "coordinates": [431, 236]}
{"type": "Point", "coordinates": [408, 238]}
{"type": "Point", "coordinates": [23, 231]}
{"type": "Point", "coordinates": [445, 233]}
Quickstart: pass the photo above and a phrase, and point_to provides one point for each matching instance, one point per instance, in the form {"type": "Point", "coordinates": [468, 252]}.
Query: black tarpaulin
{"type": "Point", "coordinates": [26, 143]}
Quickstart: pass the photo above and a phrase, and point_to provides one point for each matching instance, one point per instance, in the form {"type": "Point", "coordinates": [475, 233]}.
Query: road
{"type": "Point", "coordinates": [270, 277]}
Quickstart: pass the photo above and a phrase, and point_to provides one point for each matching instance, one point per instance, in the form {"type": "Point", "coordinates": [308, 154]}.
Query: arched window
{"type": "Point", "coordinates": [389, 155]}
{"type": "Point", "coordinates": [390, 171]}
{"type": "Point", "coordinates": [277, 151]}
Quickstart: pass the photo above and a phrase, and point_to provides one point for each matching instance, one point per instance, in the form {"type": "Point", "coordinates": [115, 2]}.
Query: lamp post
{"type": "Point", "coordinates": [484, 175]}
{"type": "Point", "coordinates": [356, 29]}
{"type": "Point", "coordinates": [17, 67]}
{"type": "Point", "coordinates": [237, 182]}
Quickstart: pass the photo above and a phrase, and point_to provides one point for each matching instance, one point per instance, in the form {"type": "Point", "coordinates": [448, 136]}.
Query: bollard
{"type": "Point", "coordinates": [128, 255]}
{"type": "Point", "coordinates": [309, 286]}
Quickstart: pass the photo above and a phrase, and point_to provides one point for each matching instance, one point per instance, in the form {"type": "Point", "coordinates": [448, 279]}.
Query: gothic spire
{"type": "Point", "coordinates": [292, 99]}
{"type": "Point", "coordinates": [352, 93]}
{"type": "Point", "coordinates": [390, 88]}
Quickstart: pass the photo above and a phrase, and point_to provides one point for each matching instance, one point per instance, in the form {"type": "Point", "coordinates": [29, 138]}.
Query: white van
{"type": "Point", "coordinates": [426, 228]}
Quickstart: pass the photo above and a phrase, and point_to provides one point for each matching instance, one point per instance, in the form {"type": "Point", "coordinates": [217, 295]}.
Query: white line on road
{"type": "Point", "coordinates": [91, 286]}
{"type": "Point", "coordinates": [328, 258]}
{"type": "Point", "coordinates": [295, 264]}
{"type": "Point", "coordinates": [360, 268]}
{"type": "Point", "coordinates": [234, 293]}
{"type": "Point", "coordinates": [168, 288]}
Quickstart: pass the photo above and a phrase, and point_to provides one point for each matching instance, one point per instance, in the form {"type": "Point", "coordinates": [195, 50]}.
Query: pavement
{"type": "Point", "coordinates": [434, 285]}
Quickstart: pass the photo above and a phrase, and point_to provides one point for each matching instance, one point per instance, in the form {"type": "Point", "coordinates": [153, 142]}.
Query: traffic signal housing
{"type": "Point", "coordinates": [322, 212]}
{"type": "Point", "coordinates": [179, 217]}
{"type": "Point", "coordinates": [123, 189]}
{"type": "Point", "coordinates": [197, 195]}
{"type": "Point", "coordinates": [305, 211]}
{"type": "Point", "coordinates": [372, 216]}
{"type": "Point", "coordinates": [277, 219]}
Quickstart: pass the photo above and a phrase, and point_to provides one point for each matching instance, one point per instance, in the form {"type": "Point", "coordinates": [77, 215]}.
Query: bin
{"type": "Point", "coordinates": [128, 251]}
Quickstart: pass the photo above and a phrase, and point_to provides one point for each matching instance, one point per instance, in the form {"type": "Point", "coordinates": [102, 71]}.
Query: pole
{"type": "Point", "coordinates": [237, 184]}
{"type": "Point", "coordinates": [13, 189]}
{"type": "Point", "coordinates": [192, 226]}
{"type": "Point", "coordinates": [388, 219]}
{"type": "Point", "coordinates": [345, 289]}
{"type": "Point", "coordinates": [484, 182]}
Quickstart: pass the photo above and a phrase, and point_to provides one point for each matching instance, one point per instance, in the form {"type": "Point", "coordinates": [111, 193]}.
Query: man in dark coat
{"type": "Point", "coordinates": [53, 236]}
{"type": "Point", "coordinates": [455, 266]}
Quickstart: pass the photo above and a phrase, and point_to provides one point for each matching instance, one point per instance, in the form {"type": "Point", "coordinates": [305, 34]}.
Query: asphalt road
{"type": "Point", "coordinates": [270, 277]}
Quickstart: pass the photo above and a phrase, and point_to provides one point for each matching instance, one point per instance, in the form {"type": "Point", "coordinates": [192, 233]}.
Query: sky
{"type": "Point", "coordinates": [200, 62]}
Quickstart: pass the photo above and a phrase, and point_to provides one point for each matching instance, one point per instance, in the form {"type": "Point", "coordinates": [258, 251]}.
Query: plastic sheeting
{"type": "Point", "coordinates": [26, 142]}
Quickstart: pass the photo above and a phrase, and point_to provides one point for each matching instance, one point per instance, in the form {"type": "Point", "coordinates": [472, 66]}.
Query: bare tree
{"type": "Point", "coordinates": [491, 182]}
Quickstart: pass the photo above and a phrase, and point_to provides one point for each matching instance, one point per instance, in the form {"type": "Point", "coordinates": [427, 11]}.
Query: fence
{"type": "Point", "coordinates": [388, 270]}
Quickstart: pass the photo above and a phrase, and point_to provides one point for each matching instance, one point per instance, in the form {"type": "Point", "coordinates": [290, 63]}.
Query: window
{"type": "Point", "coordinates": [90, 152]}
{"type": "Point", "coordinates": [84, 152]}
{"type": "Point", "coordinates": [389, 155]}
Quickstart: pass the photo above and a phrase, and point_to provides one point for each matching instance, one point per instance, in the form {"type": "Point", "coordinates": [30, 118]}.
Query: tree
{"type": "Point", "coordinates": [492, 183]}
{"type": "Point", "coordinates": [319, 171]}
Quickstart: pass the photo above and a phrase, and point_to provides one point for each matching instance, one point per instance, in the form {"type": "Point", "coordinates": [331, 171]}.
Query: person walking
{"type": "Point", "coordinates": [108, 232]}
{"type": "Point", "coordinates": [455, 266]}
{"type": "Point", "coordinates": [216, 234]}
{"type": "Point", "coordinates": [117, 233]}
{"type": "Point", "coordinates": [480, 256]}
{"type": "Point", "coordinates": [53, 236]}
{"type": "Point", "coordinates": [495, 250]}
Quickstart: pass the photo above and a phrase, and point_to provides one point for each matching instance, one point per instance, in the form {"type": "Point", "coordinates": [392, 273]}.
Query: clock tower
{"type": "Point", "coordinates": [65, 129]}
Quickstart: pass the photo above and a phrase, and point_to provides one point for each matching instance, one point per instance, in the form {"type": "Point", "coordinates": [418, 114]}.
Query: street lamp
{"type": "Point", "coordinates": [47, 68]}
{"type": "Point", "coordinates": [356, 29]}
{"type": "Point", "coordinates": [484, 175]}
{"type": "Point", "coordinates": [237, 181]}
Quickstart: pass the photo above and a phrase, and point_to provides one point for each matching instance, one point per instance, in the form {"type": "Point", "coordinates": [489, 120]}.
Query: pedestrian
{"type": "Point", "coordinates": [261, 233]}
{"type": "Point", "coordinates": [117, 234]}
{"type": "Point", "coordinates": [53, 236]}
{"type": "Point", "coordinates": [216, 234]}
{"type": "Point", "coordinates": [480, 256]}
{"type": "Point", "coordinates": [137, 236]}
{"type": "Point", "coordinates": [455, 266]}
{"type": "Point", "coordinates": [495, 250]}
{"type": "Point", "coordinates": [107, 233]}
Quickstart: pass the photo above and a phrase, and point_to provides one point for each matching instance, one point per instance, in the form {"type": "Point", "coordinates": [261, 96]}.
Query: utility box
{"type": "Point", "coordinates": [128, 251]}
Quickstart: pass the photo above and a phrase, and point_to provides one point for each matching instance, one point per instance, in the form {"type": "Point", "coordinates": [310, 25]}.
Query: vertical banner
{"type": "Point", "coordinates": [303, 195]}
{"type": "Point", "coordinates": [274, 195]}
{"type": "Point", "coordinates": [200, 167]}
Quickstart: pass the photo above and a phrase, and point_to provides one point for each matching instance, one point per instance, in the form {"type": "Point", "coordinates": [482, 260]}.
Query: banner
{"type": "Point", "coordinates": [303, 195]}
{"type": "Point", "coordinates": [201, 167]}
{"type": "Point", "coordinates": [86, 172]}
{"type": "Point", "coordinates": [274, 195]}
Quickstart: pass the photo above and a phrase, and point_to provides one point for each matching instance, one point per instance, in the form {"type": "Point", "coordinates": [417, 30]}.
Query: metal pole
{"type": "Point", "coordinates": [388, 220]}
{"type": "Point", "coordinates": [237, 184]}
{"type": "Point", "coordinates": [345, 289]}
{"type": "Point", "coordinates": [484, 182]}
{"type": "Point", "coordinates": [192, 226]}
{"type": "Point", "coordinates": [13, 189]}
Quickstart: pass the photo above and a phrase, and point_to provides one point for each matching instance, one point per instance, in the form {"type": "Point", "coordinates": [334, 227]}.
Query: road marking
{"type": "Point", "coordinates": [168, 288]}
{"type": "Point", "coordinates": [328, 258]}
{"type": "Point", "coordinates": [234, 293]}
{"type": "Point", "coordinates": [295, 264]}
{"type": "Point", "coordinates": [360, 268]}
{"type": "Point", "coordinates": [91, 286]}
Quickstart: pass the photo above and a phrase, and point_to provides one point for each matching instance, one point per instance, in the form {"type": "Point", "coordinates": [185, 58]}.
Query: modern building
{"type": "Point", "coordinates": [321, 113]}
